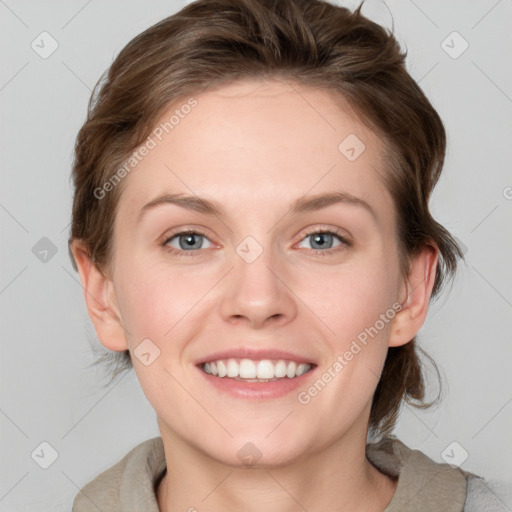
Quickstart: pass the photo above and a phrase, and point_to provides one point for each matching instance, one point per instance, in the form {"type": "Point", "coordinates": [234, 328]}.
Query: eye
{"type": "Point", "coordinates": [187, 241]}
{"type": "Point", "coordinates": [322, 241]}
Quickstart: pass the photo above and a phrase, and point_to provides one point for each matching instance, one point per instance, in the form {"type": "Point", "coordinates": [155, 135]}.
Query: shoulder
{"type": "Point", "coordinates": [425, 485]}
{"type": "Point", "coordinates": [128, 483]}
{"type": "Point", "coordinates": [488, 495]}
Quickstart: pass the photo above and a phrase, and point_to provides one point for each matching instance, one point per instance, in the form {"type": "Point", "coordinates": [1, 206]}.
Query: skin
{"type": "Point", "coordinates": [255, 147]}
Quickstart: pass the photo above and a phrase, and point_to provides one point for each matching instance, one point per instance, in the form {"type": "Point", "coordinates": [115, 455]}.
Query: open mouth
{"type": "Point", "coordinates": [263, 370]}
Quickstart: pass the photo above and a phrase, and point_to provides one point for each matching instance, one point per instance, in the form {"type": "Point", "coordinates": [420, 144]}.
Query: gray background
{"type": "Point", "coordinates": [48, 394]}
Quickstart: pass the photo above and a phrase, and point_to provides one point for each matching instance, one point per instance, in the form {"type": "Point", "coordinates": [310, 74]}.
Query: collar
{"type": "Point", "coordinates": [423, 485]}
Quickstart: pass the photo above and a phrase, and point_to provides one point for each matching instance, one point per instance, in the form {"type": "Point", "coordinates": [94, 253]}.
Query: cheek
{"type": "Point", "coordinates": [157, 299]}
{"type": "Point", "coordinates": [353, 297]}
{"type": "Point", "coordinates": [357, 306]}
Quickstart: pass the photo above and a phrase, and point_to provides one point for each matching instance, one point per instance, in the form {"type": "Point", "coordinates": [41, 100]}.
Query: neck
{"type": "Point", "coordinates": [338, 477]}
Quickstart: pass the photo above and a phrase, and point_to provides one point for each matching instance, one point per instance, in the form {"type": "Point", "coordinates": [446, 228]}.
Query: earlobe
{"type": "Point", "coordinates": [415, 297]}
{"type": "Point", "coordinates": [100, 298]}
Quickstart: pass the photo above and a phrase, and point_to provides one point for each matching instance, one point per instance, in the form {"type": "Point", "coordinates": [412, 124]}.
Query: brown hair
{"type": "Point", "coordinates": [309, 42]}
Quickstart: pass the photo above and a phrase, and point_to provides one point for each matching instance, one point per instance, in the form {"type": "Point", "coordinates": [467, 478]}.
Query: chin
{"type": "Point", "coordinates": [255, 450]}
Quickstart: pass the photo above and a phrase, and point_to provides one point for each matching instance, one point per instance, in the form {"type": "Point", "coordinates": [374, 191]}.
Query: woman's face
{"type": "Point", "coordinates": [275, 275]}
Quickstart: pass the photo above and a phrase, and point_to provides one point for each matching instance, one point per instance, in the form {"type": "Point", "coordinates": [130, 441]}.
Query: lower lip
{"type": "Point", "coordinates": [256, 390]}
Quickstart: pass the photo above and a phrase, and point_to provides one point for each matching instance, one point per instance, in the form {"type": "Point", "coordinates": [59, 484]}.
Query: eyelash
{"type": "Point", "coordinates": [317, 252]}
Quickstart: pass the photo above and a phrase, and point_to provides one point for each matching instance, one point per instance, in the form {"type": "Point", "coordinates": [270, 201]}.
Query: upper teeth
{"type": "Point", "coordinates": [249, 369]}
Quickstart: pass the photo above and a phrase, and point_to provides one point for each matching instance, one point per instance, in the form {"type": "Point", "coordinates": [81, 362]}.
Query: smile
{"type": "Point", "coordinates": [248, 370]}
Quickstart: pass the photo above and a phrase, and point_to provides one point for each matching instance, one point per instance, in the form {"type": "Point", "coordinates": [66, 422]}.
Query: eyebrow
{"type": "Point", "coordinates": [303, 204]}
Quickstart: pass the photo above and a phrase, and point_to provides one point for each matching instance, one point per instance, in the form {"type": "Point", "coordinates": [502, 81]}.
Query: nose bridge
{"type": "Point", "coordinates": [254, 290]}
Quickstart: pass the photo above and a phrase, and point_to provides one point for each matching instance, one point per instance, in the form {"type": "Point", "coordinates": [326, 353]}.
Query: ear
{"type": "Point", "coordinates": [415, 297]}
{"type": "Point", "coordinates": [100, 298]}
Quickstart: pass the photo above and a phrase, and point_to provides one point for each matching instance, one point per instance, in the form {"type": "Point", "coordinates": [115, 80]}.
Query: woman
{"type": "Point", "coordinates": [252, 232]}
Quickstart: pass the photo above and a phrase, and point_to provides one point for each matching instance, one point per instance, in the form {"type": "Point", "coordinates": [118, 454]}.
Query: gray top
{"type": "Point", "coordinates": [423, 485]}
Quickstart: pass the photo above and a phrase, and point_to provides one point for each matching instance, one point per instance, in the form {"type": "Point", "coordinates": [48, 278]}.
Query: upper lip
{"type": "Point", "coordinates": [255, 354]}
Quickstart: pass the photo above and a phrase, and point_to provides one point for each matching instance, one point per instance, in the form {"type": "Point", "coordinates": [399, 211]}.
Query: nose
{"type": "Point", "coordinates": [258, 293]}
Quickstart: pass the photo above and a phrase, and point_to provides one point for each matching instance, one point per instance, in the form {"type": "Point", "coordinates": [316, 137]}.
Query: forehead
{"type": "Point", "coordinates": [257, 143]}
